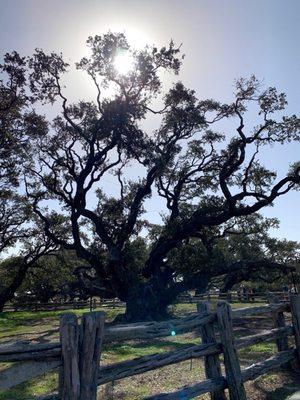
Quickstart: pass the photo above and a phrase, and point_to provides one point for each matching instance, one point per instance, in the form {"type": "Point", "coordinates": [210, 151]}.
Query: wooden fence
{"type": "Point", "coordinates": [77, 353]}
{"type": "Point", "coordinates": [234, 296]}
{"type": "Point", "coordinates": [91, 303]}
{"type": "Point", "coordinates": [94, 303]}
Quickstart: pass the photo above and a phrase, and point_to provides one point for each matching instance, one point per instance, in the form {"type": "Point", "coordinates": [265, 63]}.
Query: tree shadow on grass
{"type": "Point", "coordinates": [30, 337]}
{"type": "Point", "coordinates": [289, 385]}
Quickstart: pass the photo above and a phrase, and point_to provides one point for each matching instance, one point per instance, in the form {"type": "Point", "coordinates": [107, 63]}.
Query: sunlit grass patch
{"type": "Point", "coordinates": [35, 387]}
{"type": "Point", "coordinates": [13, 323]}
{"type": "Point", "coordinates": [120, 352]}
{"type": "Point", "coordinates": [181, 309]}
{"type": "Point", "coordinates": [258, 351]}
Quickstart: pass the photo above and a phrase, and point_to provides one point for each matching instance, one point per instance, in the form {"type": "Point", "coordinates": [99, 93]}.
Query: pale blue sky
{"type": "Point", "coordinates": [222, 40]}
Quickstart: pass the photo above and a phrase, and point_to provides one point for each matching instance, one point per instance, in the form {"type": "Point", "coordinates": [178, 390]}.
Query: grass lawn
{"type": "Point", "coordinates": [17, 323]}
{"type": "Point", "coordinates": [21, 324]}
{"type": "Point", "coordinates": [28, 325]}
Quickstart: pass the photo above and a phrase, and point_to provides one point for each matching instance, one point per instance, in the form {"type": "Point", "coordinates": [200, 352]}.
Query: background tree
{"type": "Point", "coordinates": [225, 256]}
{"type": "Point", "coordinates": [45, 280]}
{"type": "Point", "coordinates": [262, 264]}
{"type": "Point", "coordinates": [206, 178]}
{"type": "Point", "coordinates": [19, 228]}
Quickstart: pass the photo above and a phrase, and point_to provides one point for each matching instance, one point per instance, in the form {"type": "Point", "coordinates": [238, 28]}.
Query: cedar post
{"type": "Point", "coordinates": [81, 350]}
{"type": "Point", "coordinates": [212, 362]}
{"type": "Point", "coordinates": [69, 380]}
{"type": "Point", "coordinates": [279, 322]}
{"type": "Point", "coordinates": [295, 309]}
{"type": "Point", "coordinates": [231, 361]}
{"type": "Point", "coordinates": [91, 337]}
{"type": "Point", "coordinates": [229, 296]}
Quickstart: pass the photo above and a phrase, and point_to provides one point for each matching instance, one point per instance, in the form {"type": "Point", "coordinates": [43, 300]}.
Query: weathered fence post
{"type": "Point", "coordinates": [229, 296]}
{"type": "Point", "coordinates": [295, 309]}
{"type": "Point", "coordinates": [279, 322]}
{"type": "Point", "coordinates": [212, 362]}
{"type": "Point", "coordinates": [69, 382]}
{"type": "Point", "coordinates": [91, 337]}
{"type": "Point", "coordinates": [81, 350]}
{"type": "Point", "coordinates": [231, 361]}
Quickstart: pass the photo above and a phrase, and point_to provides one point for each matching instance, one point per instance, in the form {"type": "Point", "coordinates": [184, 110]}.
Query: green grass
{"type": "Point", "coordinates": [257, 352]}
{"type": "Point", "coordinates": [25, 322]}
{"type": "Point", "coordinates": [15, 323]}
{"type": "Point", "coordinates": [35, 387]}
{"type": "Point", "coordinates": [119, 352]}
{"type": "Point", "coordinates": [184, 308]}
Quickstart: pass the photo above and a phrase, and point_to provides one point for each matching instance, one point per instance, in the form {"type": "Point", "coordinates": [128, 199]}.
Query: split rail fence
{"type": "Point", "coordinates": [234, 296]}
{"type": "Point", "coordinates": [94, 303]}
{"type": "Point", "coordinates": [91, 303]}
{"type": "Point", "coordinates": [77, 353]}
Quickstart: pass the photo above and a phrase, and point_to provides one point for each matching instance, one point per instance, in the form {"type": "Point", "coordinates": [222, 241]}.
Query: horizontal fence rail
{"type": "Point", "coordinates": [74, 354]}
{"type": "Point", "coordinates": [210, 385]}
{"type": "Point", "coordinates": [143, 364]}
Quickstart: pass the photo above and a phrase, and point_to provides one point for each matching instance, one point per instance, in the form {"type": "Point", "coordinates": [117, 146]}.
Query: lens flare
{"type": "Point", "coordinates": [123, 63]}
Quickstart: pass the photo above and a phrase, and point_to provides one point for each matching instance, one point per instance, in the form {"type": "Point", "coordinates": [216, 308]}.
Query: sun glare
{"type": "Point", "coordinates": [123, 63]}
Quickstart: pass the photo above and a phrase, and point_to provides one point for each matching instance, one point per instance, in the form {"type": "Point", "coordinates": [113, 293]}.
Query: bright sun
{"type": "Point", "coordinates": [123, 63]}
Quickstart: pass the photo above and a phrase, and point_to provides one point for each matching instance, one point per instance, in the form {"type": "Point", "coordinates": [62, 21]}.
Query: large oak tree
{"type": "Point", "coordinates": [205, 177]}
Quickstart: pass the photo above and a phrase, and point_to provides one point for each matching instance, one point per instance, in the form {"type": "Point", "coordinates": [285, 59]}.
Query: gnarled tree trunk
{"type": "Point", "coordinates": [144, 303]}
{"type": "Point", "coordinates": [8, 292]}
